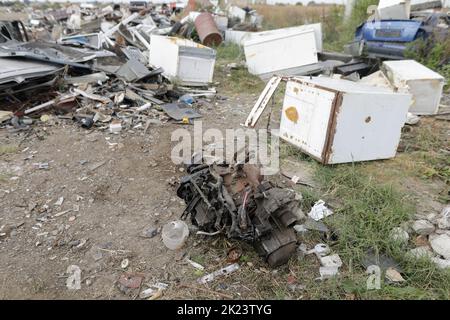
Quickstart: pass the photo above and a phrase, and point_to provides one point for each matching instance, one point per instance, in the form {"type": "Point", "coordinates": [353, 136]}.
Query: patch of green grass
{"type": "Point", "coordinates": [8, 148]}
{"type": "Point", "coordinates": [229, 52]}
{"type": "Point", "coordinates": [369, 211]}
{"type": "Point", "coordinates": [337, 31]}
{"type": "Point", "coordinates": [433, 53]}
{"type": "Point", "coordinates": [426, 145]}
{"type": "Point", "coordinates": [235, 80]}
{"type": "Point", "coordinates": [289, 150]}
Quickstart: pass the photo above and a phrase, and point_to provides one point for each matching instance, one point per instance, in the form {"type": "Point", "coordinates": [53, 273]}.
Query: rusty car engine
{"type": "Point", "coordinates": [237, 201]}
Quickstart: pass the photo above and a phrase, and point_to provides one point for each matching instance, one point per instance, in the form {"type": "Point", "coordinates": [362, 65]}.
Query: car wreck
{"type": "Point", "coordinates": [389, 39]}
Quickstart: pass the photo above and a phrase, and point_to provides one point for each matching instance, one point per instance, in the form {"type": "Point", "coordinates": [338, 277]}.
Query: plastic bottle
{"type": "Point", "coordinates": [174, 234]}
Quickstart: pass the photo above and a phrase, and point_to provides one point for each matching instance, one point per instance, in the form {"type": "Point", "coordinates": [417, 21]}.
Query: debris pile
{"type": "Point", "coordinates": [103, 67]}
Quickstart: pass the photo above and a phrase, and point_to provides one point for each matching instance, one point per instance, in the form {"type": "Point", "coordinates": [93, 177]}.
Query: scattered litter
{"type": "Point", "coordinates": [147, 293]}
{"type": "Point", "coordinates": [174, 234]}
{"type": "Point", "coordinates": [61, 213]}
{"type": "Point", "coordinates": [412, 119]}
{"type": "Point", "coordinates": [74, 280]}
{"type": "Point", "coordinates": [180, 111]}
{"type": "Point", "coordinates": [195, 265]}
{"type": "Point", "coordinates": [42, 165]}
{"type": "Point", "coordinates": [219, 273]}
{"type": "Point", "coordinates": [331, 261]}
{"type": "Point", "coordinates": [129, 281]}
{"type": "Point", "coordinates": [319, 211]}
{"type": "Point", "coordinates": [328, 272]}
{"type": "Point", "coordinates": [115, 127]}
{"type": "Point", "coordinates": [124, 264]}
{"type": "Point", "coordinates": [59, 202]}
{"type": "Point", "coordinates": [311, 224]}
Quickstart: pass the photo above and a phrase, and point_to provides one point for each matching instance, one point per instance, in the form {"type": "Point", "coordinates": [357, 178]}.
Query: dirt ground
{"type": "Point", "coordinates": [114, 188]}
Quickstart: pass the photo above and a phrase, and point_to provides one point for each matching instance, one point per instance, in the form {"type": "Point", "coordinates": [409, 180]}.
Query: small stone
{"type": "Point", "coordinates": [149, 232]}
{"type": "Point", "coordinates": [441, 245]}
{"type": "Point", "coordinates": [421, 241]}
{"type": "Point", "coordinates": [74, 243]}
{"type": "Point", "coordinates": [423, 227]}
{"type": "Point", "coordinates": [444, 219]}
{"type": "Point", "coordinates": [431, 217]}
{"type": "Point", "coordinates": [393, 275]}
{"type": "Point", "coordinates": [72, 218]}
{"type": "Point", "coordinates": [420, 252]}
{"type": "Point", "coordinates": [441, 263]}
{"type": "Point", "coordinates": [399, 235]}
{"type": "Point", "coordinates": [97, 255]}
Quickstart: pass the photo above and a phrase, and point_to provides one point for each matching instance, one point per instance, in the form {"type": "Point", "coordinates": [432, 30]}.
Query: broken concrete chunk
{"type": "Point", "coordinates": [399, 235]}
{"type": "Point", "coordinates": [420, 253]}
{"type": "Point", "coordinates": [331, 261]}
{"type": "Point", "coordinates": [328, 272]}
{"type": "Point", "coordinates": [393, 275]}
{"type": "Point", "coordinates": [444, 219]}
{"type": "Point", "coordinates": [423, 227]}
{"type": "Point", "coordinates": [441, 245]}
{"type": "Point", "coordinates": [441, 263]}
{"type": "Point", "coordinates": [149, 232]}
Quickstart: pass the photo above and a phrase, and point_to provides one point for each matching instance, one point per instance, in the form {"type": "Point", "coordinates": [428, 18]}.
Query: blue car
{"type": "Point", "coordinates": [390, 38]}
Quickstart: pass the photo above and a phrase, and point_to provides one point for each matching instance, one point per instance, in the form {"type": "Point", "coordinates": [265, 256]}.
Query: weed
{"type": "Point", "coordinates": [433, 53]}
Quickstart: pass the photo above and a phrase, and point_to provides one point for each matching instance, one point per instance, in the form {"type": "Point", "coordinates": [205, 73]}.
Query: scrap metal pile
{"type": "Point", "coordinates": [98, 66]}
{"type": "Point", "coordinates": [237, 201]}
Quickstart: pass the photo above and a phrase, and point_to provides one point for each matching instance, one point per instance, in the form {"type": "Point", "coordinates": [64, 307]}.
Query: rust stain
{"type": "Point", "coordinates": [368, 119]}
{"type": "Point", "coordinates": [296, 90]}
{"type": "Point", "coordinates": [292, 114]}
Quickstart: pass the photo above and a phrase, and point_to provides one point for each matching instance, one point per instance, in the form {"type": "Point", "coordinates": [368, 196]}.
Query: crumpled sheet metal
{"type": "Point", "coordinates": [50, 52]}
{"type": "Point", "coordinates": [179, 111]}
{"type": "Point", "coordinates": [18, 70]}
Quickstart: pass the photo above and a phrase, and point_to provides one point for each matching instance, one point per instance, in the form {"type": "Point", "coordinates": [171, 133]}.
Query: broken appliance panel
{"type": "Point", "coordinates": [424, 84]}
{"type": "Point", "coordinates": [338, 121]}
{"type": "Point", "coordinates": [183, 60]}
{"type": "Point", "coordinates": [277, 50]}
{"type": "Point", "coordinates": [394, 9]}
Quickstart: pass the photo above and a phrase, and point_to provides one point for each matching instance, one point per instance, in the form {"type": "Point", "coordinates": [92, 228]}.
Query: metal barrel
{"type": "Point", "coordinates": [207, 30]}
